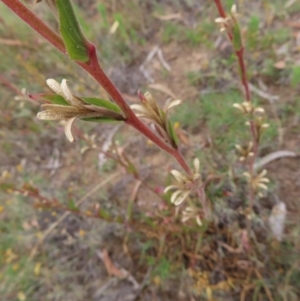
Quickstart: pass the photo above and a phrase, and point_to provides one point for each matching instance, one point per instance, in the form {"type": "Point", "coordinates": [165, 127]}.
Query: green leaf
{"type": "Point", "coordinates": [102, 103]}
{"type": "Point", "coordinates": [237, 37]}
{"type": "Point", "coordinates": [56, 99]}
{"type": "Point", "coordinates": [75, 42]}
{"type": "Point", "coordinates": [172, 133]}
{"type": "Point", "coordinates": [100, 119]}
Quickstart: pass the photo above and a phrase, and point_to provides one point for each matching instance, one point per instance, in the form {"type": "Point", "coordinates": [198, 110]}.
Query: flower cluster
{"type": "Point", "coordinates": [149, 109]}
{"type": "Point", "coordinates": [185, 184]}
{"type": "Point", "coordinates": [191, 213]}
{"type": "Point", "coordinates": [70, 107]}
{"type": "Point", "coordinates": [245, 151]}
{"type": "Point", "coordinates": [231, 25]}
{"type": "Point", "coordinates": [228, 22]}
{"type": "Point", "coordinates": [258, 182]}
{"type": "Point", "coordinates": [247, 107]}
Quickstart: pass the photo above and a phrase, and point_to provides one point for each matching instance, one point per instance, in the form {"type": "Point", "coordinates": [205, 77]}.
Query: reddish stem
{"type": "Point", "coordinates": [245, 83]}
{"type": "Point", "coordinates": [240, 56]}
{"type": "Point", "coordinates": [220, 8]}
{"type": "Point", "coordinates": [97, 72]}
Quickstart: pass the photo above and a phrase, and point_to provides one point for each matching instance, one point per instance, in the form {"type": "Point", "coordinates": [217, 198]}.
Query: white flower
{"type": "Point", "coordinates": [75, 107]}
{"type": "Point", "coordinates": [229, 20]}
{"type": "Point", "coordinates": [245, 151]}
{"type": "Point", "coordinates": [259, 181]}
{"type": "Point", "coordinates": [247, 108]}
{"type": "Point", "coordinates": [189, 213]}
{"type": "Point", "coordinates": [149, 109]}
{"type": "Point", "coordinates": [185, 184]}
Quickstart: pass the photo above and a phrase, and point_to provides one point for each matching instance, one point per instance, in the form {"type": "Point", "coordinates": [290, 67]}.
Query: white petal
{"type": "Point", "coordinates": [139, 108]}
{"type": "Point", "coordinates": [247, 174]}
{"type": "Point", "coordinates": [168, 188]}
{"type": "Point", "coordinates": [220, 20]}
{"type": "Point", "coordinates": [189, 209]}
{"type": "Point", "coordinates": [54, 85]}
{"type": "Point", "coordinates": [197, 165]}
{"type": "Point", "coordinates": [175, 195]}
{"type": "Point", "coordinates": [178, 175]}
{"type": "Point", "coordinates": [259, 110]}
{"type": "Point", "coordinates": [264, 180]}
{"type": "Point", "coordinates": [67, 94]}
{"type": "Point", "coordinates": [198, 220]}
{"type": "Point", "coordinates": [68, 129]}
{"type": "Point", "coordinates": [263, 186]}
{"type": "Point", "coordinates": [233, 9]}
{"type": "Point", "coordinates": [173, 103]}
{"type": "Point", "coordinates": [179, 200]}
{"type": "Point", "coordinates": [263, 173]}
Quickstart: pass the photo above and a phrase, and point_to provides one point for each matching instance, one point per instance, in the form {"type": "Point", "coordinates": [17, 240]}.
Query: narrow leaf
{"type": "Point", "coordinates": [55, 99]}
{"type": "Point", "coordinates": [75, 42]}
{"type": "Point", "coordinates": [237, 40]}
{"type": "Point", "coordinates": [100, 119]}
{"type": "Point", "coordinates": [172, 134]}
{"type": "Point", "coordinates": [102, 103]}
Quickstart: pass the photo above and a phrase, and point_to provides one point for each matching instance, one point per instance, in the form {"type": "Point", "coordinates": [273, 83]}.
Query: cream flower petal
{"type": "Point", "coordinates": [175, 195]}
{"type": "Point", "coordinates": [263, 186]}
{"type": "Point", "coordinates": [68, 129]}
{"type": "Point", "coordinates": [220, 20]}
{"type": "Point", "coordinates": [197, 165]}
{"type": "Point", "coordinates": [66, 91]}
{"type": "Point", "coordinates": [178, 175]}
{"type": "Point", "coordinates": [263, 173]}
{"type": "Point", "coordinates": [180, 199]}
{"type": "Point", "coordinates": [173, 103]}
{"type": "Point", "coordinates": [233, 9]}
{"type": "Point", "coordinates": [139, 108]}
{"type": "Point", "coordinates": [198, 220]}
{"type": "Point", "coordinates": [151, 102]}
{"type": "Point", "coordinates": [264, 180]}
{"type": "Point", "coordinates": [68, 95]}
{"type": "Point", "coordinates": [168, 188]}
{"type": "Point", "coordinates": [54, 86]}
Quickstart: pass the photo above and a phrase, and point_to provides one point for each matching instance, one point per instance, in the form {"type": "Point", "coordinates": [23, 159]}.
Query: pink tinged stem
{"type": "Point", "coordinates": [245, 83]}
{"type": "Point", "coordinates": [93, 67]}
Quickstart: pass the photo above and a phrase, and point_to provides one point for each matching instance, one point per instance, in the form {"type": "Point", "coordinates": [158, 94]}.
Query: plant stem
{"type": "Point", "coordinates": [240, 56]}
{"type": "Point", "coordinates": [243, 74]}
{"type": "Point", "coordinates": [93, 67]}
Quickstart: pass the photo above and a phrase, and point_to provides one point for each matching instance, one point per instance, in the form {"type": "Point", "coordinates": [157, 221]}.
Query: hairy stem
{"type": "Point", "coordinates": [93, 67]}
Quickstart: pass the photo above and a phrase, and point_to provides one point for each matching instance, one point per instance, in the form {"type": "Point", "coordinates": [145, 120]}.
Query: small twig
{"type": "Point", "coordinates": [274, 156]}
